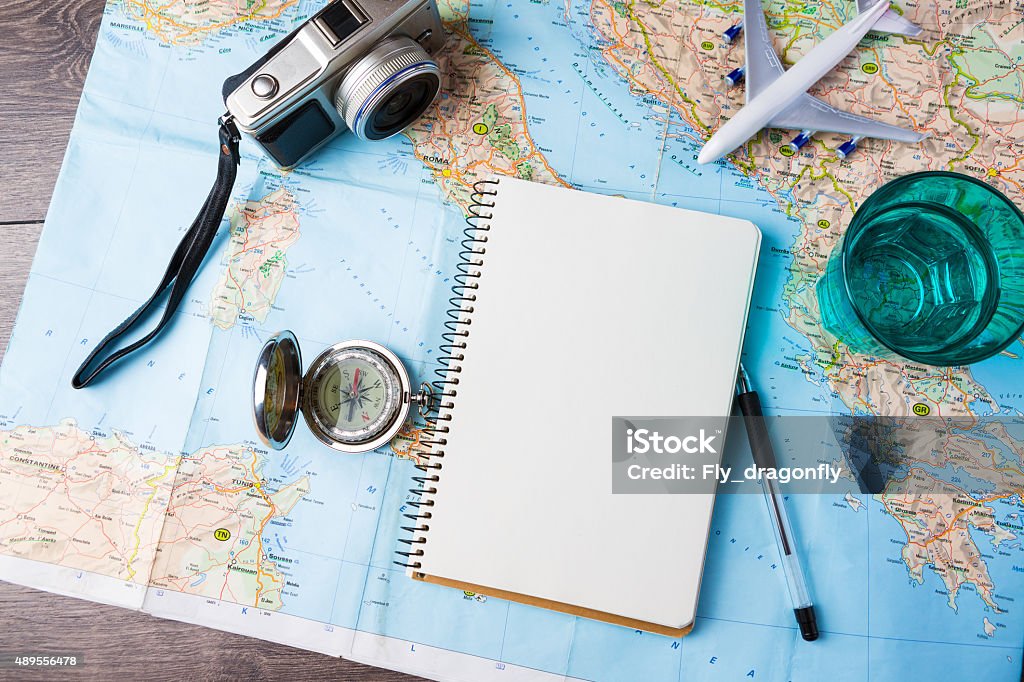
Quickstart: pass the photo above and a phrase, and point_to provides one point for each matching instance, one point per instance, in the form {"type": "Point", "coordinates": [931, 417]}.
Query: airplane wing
{"type": "Point", "coordinates": [890, 21]}
{"type": "Point", "coordinates": [763, 64]}
{"type": "Point", "coordinates": [810, 113]}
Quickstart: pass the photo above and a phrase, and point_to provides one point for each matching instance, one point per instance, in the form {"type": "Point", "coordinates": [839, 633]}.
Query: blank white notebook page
{"type": "Point", "coordinates": [588, 307]}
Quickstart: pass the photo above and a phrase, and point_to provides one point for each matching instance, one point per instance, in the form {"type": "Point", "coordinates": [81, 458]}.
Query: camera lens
{"type": "Point", "coordinates": [401, 108]}
{"type": "Point", "coordinates": [388, 89]}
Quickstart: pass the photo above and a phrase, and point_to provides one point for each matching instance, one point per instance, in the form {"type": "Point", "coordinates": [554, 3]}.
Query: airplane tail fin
{"type": "Point", "coordinates": [891, 22]}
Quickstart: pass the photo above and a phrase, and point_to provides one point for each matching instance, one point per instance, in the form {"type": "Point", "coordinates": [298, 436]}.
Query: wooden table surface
{"type": "Point", "coordinates": [44, 56]}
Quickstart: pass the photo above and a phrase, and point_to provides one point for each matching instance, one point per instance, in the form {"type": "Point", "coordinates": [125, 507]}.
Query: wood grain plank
{"type": "Point", "coordinates": [44, 57]}
{"type": "Point", "coordinates": [122, 644]}
{"type": "Point", "coordinates": [19, 245]}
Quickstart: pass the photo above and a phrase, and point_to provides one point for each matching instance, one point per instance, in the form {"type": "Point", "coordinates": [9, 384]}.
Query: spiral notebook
{"type": "Point", "coordinates": [572, 308]}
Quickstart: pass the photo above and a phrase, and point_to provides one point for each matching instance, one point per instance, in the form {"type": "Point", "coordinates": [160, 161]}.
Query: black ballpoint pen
{"type": "Point", "coordinates": [764, 458]}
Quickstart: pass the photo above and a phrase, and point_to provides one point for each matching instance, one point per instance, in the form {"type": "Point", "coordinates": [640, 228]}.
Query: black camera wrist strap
{"type": "Point", "coordinates": [181, 269]}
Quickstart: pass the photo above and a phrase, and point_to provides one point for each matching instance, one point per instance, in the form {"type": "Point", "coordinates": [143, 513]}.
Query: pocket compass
{"type": "Point", "coordinates": [355, 396]}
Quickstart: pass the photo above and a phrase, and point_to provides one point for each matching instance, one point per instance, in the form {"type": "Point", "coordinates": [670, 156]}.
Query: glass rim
{"type": "Point", "coordinates": [926, 358]}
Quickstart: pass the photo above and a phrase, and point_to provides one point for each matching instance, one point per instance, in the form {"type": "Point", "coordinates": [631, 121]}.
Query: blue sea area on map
{"type": "Point", "coordinates": [1000, 377]}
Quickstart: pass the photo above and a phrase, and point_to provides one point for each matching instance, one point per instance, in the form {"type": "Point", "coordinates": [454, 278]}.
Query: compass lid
{"type": "Point", "coordinates": [276, 385]}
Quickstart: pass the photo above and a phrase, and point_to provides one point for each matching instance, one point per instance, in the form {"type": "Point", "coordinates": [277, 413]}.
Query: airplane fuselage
{"type": "Point", "coordinates": [760, 110]}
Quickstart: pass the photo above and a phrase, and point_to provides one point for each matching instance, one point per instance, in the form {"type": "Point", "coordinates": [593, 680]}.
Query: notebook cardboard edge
{"type": "Point", "coordinates": [571, 609]}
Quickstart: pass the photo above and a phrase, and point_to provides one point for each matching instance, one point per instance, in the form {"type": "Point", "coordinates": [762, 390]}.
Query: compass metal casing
{"type": "Point", "coordinates": [277, 384]}
{"type": "Point", "coordinates": [397, 396]}
{"type": "Point", "coordinates": [281, 391]}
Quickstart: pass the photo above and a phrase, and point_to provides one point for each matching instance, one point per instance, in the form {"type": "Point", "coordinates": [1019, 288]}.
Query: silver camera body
{"type": "Point", "coordinates": [361, 65]}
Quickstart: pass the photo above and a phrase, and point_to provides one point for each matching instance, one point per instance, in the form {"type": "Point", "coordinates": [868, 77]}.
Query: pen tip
{"type": "Point", "coordinates": [742, 381]}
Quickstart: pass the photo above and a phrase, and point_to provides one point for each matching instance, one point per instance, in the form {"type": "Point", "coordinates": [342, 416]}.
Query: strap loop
{"type": "Point", "coordinates": [183, 266]}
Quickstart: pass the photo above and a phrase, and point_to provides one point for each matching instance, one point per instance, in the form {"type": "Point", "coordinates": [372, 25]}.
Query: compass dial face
{"type": "Point", "coordinates": [352, 395]}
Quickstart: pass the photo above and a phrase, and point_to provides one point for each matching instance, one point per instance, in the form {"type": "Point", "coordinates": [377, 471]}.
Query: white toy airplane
{"type": "Point", "coordinates": [777, 98]}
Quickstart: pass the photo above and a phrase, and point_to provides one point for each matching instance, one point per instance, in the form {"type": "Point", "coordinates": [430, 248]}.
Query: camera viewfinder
{"type": "Point", "coordinates": [339, 20]}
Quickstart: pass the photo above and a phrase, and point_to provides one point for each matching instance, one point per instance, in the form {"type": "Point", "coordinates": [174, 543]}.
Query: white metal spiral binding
{"type": "Point", "coordinates": [452, 354]}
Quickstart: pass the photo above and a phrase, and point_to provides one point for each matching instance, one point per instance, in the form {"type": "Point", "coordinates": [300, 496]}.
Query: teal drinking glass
{"type": "Point", "coordinates": [931, 268]}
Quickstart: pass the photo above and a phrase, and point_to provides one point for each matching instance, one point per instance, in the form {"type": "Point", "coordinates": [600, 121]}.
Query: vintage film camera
{"type": "Point", "coordinates": [364, 66]}
{"type": "Point", "coordinates": [359, 65]}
